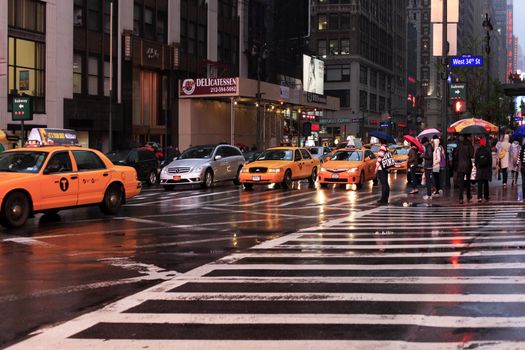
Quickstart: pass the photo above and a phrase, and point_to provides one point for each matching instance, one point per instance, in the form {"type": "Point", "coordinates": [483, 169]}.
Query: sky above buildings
{"type": "Point", "coordinates": [519, 22]}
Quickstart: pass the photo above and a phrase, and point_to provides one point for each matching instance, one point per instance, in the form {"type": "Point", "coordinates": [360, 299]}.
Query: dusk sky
{"type": "Point", "coordinates": [519, 23]}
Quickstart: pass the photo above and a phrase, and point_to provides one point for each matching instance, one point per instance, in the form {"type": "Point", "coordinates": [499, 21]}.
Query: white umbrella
{"type": "Point", "coordinates": [429, 133]}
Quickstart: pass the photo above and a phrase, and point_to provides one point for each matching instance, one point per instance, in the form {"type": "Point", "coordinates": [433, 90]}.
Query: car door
{"type": "Point", "coordinates": [93, 177]}
{"type": "Point", "coordinates": [297, 168]}
{"type": "Point", "coordinates": [220, 165]}
{"type": "Point", "coordinates": [370, 164]}
{"type": "Point", "coordinates": [59, 184]}
{"type": "Point", "coordinates": [233, 160]}
{"type": "Point", "coordinates": [308, 163]}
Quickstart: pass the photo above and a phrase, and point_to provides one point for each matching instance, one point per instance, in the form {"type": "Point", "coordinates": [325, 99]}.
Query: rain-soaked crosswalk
{"type": "Point", "coordinates": [382, 278]}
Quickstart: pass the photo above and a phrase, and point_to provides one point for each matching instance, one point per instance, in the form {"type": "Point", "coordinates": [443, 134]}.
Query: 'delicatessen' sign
{"type": "Point", "coordinates": [208, 87]}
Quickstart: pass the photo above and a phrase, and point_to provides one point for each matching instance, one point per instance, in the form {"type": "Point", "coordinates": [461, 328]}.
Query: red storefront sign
{"type": "Point", "coordinates": [208, 87]}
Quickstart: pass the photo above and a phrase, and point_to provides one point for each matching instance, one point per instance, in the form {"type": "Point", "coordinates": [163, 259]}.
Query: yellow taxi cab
{"type": "Point", "coordinates": [280, 165]}
{"type": "Point", "coordinates": [349, 166]}
{"type": "Point", "coordinates": [400, 155]}
{"type": "Point", "coordinates": [50, 178]}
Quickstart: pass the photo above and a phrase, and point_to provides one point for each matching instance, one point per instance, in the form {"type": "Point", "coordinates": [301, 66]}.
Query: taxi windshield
{"type": "Point", "coordinates": [276, 154]}
{"type": "Point", "coordinates": [348, 156]}
{"type": "Point", "coordinates": [22, 162]}
{"type": "Point", "coordinates": [197, 153]}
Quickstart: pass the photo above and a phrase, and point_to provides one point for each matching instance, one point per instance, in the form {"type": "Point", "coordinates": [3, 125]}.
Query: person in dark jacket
{"type": "Point", "coordinates": [412, 163]}
{"type": "Point", "coordinates": [483, 161]}
{"type": "Point", "coordinates": [465, 152]}
{"type": "Point", "coordinates": [428, 160]}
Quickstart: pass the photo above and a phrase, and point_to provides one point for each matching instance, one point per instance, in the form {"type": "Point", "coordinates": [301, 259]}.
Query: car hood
{"type": "Point", "coordinates": [14, 177]}
{"type": "Point", "coordinates": [269, 163]}
{"type": "Point", "coordinates": [400, 157]}
{"type": "Point", "coordinates": [188, 163]}
{"type": "Point", "coordinates": [339, 164]}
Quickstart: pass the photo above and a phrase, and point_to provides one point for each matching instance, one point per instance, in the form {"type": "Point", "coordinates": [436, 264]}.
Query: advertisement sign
{"type": "Point", "coordinates": [208, 87]}
{"type": "Point", "coordinates": [42, 136]}
{"type": "Point", "coordinates": [313, 75]}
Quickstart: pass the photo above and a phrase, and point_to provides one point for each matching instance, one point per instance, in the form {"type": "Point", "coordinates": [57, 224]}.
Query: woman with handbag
{"type": "Point", "coordinates": [504, 158]}
{"type": "Point", "coordinates": [382, 172]}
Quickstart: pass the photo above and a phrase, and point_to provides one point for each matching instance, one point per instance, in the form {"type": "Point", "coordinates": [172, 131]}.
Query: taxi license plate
{"type": "Point", "coordinates": [256, 178]}
{"type": "Point", "coordinates": [335, 176]}
{"type": "Point", "coordinates": [176, 178]}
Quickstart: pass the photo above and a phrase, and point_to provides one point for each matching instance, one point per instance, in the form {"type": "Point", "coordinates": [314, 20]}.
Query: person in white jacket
{"type": "Point", "coordinates": [504, 156]}
{"type": "Point", "coordinates": [438, 154]}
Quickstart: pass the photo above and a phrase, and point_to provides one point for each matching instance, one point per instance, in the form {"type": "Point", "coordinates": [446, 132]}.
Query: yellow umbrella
{"type": "Point", "coordinates": [463, 123]}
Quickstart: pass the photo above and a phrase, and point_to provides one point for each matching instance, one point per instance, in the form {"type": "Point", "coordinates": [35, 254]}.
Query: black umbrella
{"type": "Point", "coordinates": [382, 135]}
{"type": "Point", "coordinates": [474, 130]}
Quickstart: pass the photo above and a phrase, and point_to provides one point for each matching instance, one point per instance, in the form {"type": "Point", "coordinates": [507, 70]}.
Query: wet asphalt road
{"type": "Point", "coordinates": [276, 269]}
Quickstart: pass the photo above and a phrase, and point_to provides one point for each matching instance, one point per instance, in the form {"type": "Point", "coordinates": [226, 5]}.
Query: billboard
{"type": "Point", "coordinates": [313, 75]}
{"type": "Point", "coordinates": [208, 87]}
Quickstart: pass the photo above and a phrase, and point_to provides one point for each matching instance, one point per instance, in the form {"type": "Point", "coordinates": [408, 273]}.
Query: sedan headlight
{"type": "Point", "coordinates": [245, 170]}
{"type": "Point", "coordinates": [353, 170]}
{"type": "Point", "coordinates": [196, 169]}
{"type": "Point", "coordinates": [164, 170]}
{"type": "Point", "coordinates": [274, 170]}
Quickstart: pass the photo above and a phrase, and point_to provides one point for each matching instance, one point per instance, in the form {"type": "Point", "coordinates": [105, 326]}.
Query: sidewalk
{"type": "Point", "coordinates": [450, 197]}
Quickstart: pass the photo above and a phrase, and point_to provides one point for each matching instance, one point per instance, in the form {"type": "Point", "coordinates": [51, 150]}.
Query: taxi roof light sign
{"type": "Point", "coordinates": [53, 137]}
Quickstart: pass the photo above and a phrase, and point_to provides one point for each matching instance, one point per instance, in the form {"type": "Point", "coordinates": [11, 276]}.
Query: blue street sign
{"type": "Point", "coordinates": [466, 61]}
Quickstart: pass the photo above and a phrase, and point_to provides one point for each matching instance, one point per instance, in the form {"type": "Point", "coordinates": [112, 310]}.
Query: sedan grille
{"type": "Point", "coordinates": [178, 170]}
{"type": "Point", "coordinates": [258, 170]}
{"type": "Point", "coordinates": [336, 170]}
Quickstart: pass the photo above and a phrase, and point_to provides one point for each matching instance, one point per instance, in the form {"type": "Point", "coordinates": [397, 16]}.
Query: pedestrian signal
{"type": "Point", "coordinates": [460, 106]}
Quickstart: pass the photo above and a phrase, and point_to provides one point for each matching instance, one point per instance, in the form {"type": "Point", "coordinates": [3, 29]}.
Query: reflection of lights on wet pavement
{"type": "Point", "coordinates": [234, 240]}
{"type": "Point", "coordinates": [454, 261]}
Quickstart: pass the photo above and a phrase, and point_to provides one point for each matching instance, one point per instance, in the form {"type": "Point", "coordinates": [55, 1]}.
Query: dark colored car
{"type": "Point", "coordinates": [145, 163]}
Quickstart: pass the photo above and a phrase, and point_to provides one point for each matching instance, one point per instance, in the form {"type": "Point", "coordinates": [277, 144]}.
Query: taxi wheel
{"type": "Point", "coordinates": [248, 187]}
{"type": "Point", "coordinates": [313, 177]}
{"type": "Point", "coordinates": [15, 210]}
{"type": "Point", "coordinates": [208, 179]}
{"type": "Point", "coordinates": [237, 181]}
{"type": "Point", "coordinates": [287, 181]}
{"type": "Point", "coordinates": [112, 200]}
{"type": "Point", "coordinates": [152, 178]}
{"type": "Point", "coordinates": [361, 181]}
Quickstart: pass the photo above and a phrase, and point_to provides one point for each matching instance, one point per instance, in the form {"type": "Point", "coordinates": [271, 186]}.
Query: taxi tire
{"type": "Point", "coordinates": [9, 204]}
{"type": "Point", "coordinates": [313, 177]}
{"type": "Point", "coordinates": [208, 179]}
{"type": "Point", "coordinates": [287, 180]}
{"type": "Point", "coordinates": [361, 182]}
{"type": "Point", "coordinates": [237, 180]}
{"type": "Point", "coordinates": [112, 200]}
{"type": "Point", "coordinates": [152, 178]}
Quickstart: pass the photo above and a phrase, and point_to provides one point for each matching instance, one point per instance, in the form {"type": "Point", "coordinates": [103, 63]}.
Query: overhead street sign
{"type": "Point", "coordinates": [22, 109]}
{"type": "Point", "coordinates": [466, 61]}
{"type": "Point", "coordinates": [457, 91]}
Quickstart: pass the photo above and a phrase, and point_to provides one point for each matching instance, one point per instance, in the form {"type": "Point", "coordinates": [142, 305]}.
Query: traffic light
{"type": "Point", "coordinates": [307, 129]}
{"type": "Point", "coordinates": [460, 106]}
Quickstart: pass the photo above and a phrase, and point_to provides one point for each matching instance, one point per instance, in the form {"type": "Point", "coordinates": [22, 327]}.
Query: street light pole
{"type": "Point", "coordinates": [444, 86]}
{"type": "Point", "coordinates": [487, 25]}
{"type": "Point", "coordinates": [260, 52]}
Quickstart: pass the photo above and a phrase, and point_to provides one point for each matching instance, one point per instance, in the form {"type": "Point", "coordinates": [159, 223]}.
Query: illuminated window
{"type": "Point", "coordinates": [334, 47]}
{"type": "Point", "coordinates": [322, 22]}
{"type": "Point", "coordinates": [26, 67]}
{"type": "Point", "coordinates": [345, 47]}
{"type": "Point", "coordinates": [77, 73]}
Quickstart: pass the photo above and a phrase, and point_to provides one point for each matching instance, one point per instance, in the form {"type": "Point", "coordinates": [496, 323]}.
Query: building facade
{"type": "Point", "coordinates": [363, 45]}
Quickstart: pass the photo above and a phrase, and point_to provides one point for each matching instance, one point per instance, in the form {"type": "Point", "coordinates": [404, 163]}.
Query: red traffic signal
{"type": "Point", "coordinates": [460, 106]}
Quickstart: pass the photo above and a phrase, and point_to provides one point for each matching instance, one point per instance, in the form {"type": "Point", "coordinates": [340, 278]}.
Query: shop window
{"type": "Point", "coordinates": [77, 73]}
{"type": "Point", "coordinates": [345, 47]}
{"type": "Point", "coordinates": [27, 15]}
{"type": "Point", "coordinates": [93, 75]}
{"type": "Point", "coordinates": [322, 22]}
{"type": "Point", "coordinates": [107, 81]}
{"type": "Point", "coordinates": [137, 19]}
{"type": "Point", "coordinates": [26, 68]}
{"type": "Point", "coordinates": [93, 15]}
{"type": "Point", "coordinates": [78, 13]}
{"type": "Point", "coordinates": [321, 48]}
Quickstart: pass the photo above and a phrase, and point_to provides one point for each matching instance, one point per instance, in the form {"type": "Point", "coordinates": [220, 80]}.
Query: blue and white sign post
{"type": "Point", "coordinates": [466, 61]}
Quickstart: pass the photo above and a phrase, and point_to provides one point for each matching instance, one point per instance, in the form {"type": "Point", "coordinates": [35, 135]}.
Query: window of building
{"type": "Point", "coordinates": [373, 78]}
{"type": "Point", "coordinates": [333, 21]}
{"type": "Point", "coordinates": [381, 81]}
{"type": "Point", "coordinates": [161, 26]}
{"type": "Point", "coordinates": [202, 39]}
{"type": "Point", "coordinates": [373, 102]}
{"type": "Point", "coordinates": [106, 78]}
{"type": "Point", "coordinates": [26, 67]}
{"type": "Point", "coordinates": [107, 17]}
{"type": "Point", "coordinates": [192, 38]}
{"type": "Point", "coordinates": [343, 95]}
{"type": "Point", "coordinates": [337, 72]}
{"type": "Point", "coordinates": [77, 73]}
{"type": "Point", "coordinates": [27, 15]}
{"type": "Point", "coordinates": [321, 48]}
{"type": "Point", "coordinates": [382, 104]}
{"type": "Point", "coordinates": [78, 13]}
{"type": "Point", "coordinates": [322, 22]}
{"type": "Point", "coordinates": [363, 75]}
{"type": "Point", "coordinates": [345, 47]}
{"type": "Point", "coordinates": [137, 19]}
{"type": "Point", "coordinates": [93, 15]}
{"type": "Point", "coordinates": [149, 23]}
{"type": "Point", "coordinates": [228, 9]}
{"type": "Point", "coordinates": [93, 75]}
{"type": "Point", "coordinates": [363, 100]}
{"type": "Point", "coordinates": [345, 21]}
{"type": "Point", "coordinates": [334, 47]}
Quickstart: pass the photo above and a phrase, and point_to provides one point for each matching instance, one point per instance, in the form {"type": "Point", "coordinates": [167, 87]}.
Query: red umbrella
{"type": "Point", "coordinates": [414, 141]}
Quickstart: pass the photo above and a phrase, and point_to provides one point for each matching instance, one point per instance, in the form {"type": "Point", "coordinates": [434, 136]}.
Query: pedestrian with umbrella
{"type": "Point", "coordinates": [413, 160]}
{"type": "Point", "coordinates": [384, 161]}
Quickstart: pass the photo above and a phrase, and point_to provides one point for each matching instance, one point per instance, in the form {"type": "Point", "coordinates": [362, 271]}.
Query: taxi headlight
{"type": "Point", "coordinates": [353, 170]}
{"type": "Point", "coordinates": [323, 169]}
{"type": "Point", "coordinates": [274, 170]}
{"type": "Point", "coordinates": [245, 170]}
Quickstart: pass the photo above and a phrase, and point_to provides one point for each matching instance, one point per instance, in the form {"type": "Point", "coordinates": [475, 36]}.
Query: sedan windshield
{"type": "Point", "coordinates": [197, 153]}
{"type": "Point", "coordinates": [348, 156]}
{"type": "Point", "coordinates": [276, 154]}
{"type": "Point", "coordinates": [22, 162]}
{"type": "Point", "coordinates": [401, 151]}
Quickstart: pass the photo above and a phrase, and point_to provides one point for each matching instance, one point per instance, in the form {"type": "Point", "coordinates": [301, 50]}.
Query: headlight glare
{"type": "Point", "coordinates": [274, 170]}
